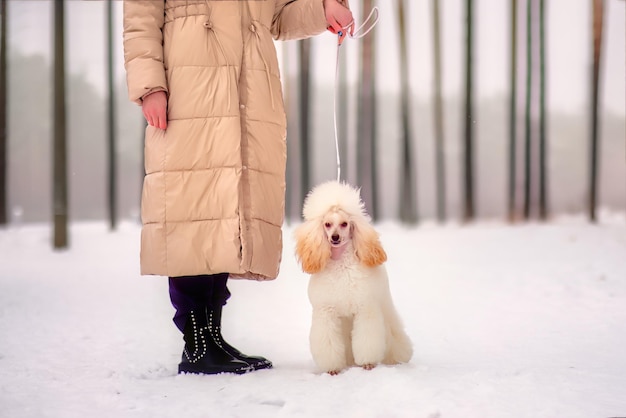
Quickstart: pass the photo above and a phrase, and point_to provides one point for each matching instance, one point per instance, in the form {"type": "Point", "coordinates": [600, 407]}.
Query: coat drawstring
{"type": "Point", "coordinates": [266, 66]}
{"type": "Point", "coordinates": [186, 12]}
{"type": "Point", "coordinates": [209, 26]}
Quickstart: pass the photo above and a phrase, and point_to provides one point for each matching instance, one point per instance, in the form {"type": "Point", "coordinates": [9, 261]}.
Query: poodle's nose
{"type": "Point", "coordinates": [335, 237]}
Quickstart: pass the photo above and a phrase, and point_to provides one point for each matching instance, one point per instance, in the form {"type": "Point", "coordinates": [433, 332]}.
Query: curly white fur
{"type": "Point", "coordinates": [354, 320]}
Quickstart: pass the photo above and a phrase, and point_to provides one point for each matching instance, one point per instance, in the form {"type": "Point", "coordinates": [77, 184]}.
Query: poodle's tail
{"type": "Point", "coordinates": [399, 346]}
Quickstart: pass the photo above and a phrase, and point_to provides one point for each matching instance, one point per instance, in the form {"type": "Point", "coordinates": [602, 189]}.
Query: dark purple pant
{"type": "Point", "coordinates": [189, 293]}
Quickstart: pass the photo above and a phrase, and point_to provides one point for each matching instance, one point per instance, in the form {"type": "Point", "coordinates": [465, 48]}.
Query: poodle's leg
{"type": "Point", "coordinates": [327, 344]}
{"type": "Point", "coordinates": [347, 338]}
{"type": "Point", "coordinates": [368, 338]}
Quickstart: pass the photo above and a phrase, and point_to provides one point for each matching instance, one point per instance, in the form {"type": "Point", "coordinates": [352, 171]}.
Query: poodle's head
{"type": "Point", "coordinates": [334, 215]}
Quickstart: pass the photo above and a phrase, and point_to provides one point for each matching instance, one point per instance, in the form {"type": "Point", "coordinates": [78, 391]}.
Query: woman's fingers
{"type": "Point", "coordinates": [351, 28]}
{"type": "Point", "coordinates": [162, 122]}
{"type": "Point", "coordinates": [339, 18]}
{"type": "Point", "coordinates": [161, 118]}
{"type": "Point", "coordinates": [334, 26]}
{"type": "Point", "coordinates": [154, 108]}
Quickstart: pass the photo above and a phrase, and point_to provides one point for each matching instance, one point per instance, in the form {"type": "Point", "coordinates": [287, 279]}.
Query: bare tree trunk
{"type": "Point", "coordinates": [342, 116]}
{"type": "Point", "coordinates": [438, 113]}
{"type": "Point", "coordinates": [4, 218]}
{"type": "Point", "coordinates": [112, 200]}
{"type": "Point", "coordinates": [527, 117]}
{"type": "Point", "coordinates": [366, 130]}
{"type": "Point", "coordinates": [468, 166]}
{"type": "Point", "coordinates": [513, 112]}
{"type": "Point", "coordinates": [598, 15]}
{"type": "Point", "coordinates": [543, 205]}
{"type": "Point", "coordinates": [291, 170]}
{"type": "Point", "coordinates": [408, 209]}
{"type": "Point", "coordinates": [142, 143]}
{"type": "Point", "coordinates": [534, 144]}
{"type": "Point", "coordinates": [304, 119]}
{"type": "Point", "coordinates": [60, 198]}
{"type": "Point", "coordinates": [535, 171]}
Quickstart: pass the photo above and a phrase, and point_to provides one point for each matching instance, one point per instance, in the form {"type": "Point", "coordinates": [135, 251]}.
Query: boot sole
{"type": "Point", "coordinates": [261, 365]}
{"type": "Point", "coordinates": [192, 369]}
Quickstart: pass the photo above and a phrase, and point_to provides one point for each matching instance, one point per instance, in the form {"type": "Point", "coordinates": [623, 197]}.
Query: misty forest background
{"type": "Point", "coordinates": [421, 146]}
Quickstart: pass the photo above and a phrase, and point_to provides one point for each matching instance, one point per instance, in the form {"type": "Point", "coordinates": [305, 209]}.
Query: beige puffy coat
{"type": "Point", "coordinates": [213, 195]}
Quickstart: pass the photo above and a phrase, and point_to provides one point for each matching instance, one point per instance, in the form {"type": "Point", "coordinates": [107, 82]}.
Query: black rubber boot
{"type": "Point", "coordinates": [257, 362]}
{"type": "Point", "coordinates": [203, 353]}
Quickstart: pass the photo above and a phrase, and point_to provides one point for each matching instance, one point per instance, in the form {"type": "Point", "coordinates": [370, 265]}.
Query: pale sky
{"type": "Point", "coordinates": [568, 49]}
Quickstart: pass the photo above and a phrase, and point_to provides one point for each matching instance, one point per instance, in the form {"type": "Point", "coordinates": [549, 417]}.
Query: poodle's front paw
{"type": "Point", "coordinates": [334, 372]}
{"type": "Point", "coordinates": [368, 366]}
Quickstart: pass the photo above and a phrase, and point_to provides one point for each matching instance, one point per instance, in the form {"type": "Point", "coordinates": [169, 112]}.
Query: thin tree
{"type": "Point", "coordinates": [342, 116]}
{"type": "Point", "coordinates": [112, 196]}
{"type": "Point", "coordinates": [142, 158]}
{"type": "Point", "coordinates": [543, 209]}
{"type": "Point", "coordinates": [304, 118]}
{"type": "Point", "coordinates": [408, 209]}
{"type": "Point", "coordinates": [513, 112]}
{"type": "Point", "coordinates": [291, 169]}
{"type": "Point", "coordinates": [4, 219]}
{"type": "Point", "coordinates": [598, 15]}
{"type": "Point", "coordinates": [527, 117]}
{"type": "Point", "coordinates": [438, 115]}
{"type": "Point", "coordinates": [366, 129]}
{"type": "Point", "coordinates": [535, 138]}
{"type": "Point", "coordinates": [468, 140]}
{"type": "Point", "coordinates": [60, 198]}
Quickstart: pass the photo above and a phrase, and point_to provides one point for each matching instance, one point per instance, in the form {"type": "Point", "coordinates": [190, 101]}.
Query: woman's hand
{"type": "Point", "coordinates": [154, 107]}
{"type": "Point", "coordinates": [339, 17]}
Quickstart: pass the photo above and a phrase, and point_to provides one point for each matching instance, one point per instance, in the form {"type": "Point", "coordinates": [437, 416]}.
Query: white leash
{"type": "Point", "coordinates": [355, 35]}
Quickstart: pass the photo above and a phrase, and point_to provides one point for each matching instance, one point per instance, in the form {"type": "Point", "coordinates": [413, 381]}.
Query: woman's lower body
{"type": "Point", "coordinates": [198, 301]}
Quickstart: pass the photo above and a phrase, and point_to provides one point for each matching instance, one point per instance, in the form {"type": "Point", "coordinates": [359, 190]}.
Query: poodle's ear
{"type": "Point", "coordinates": [312, 247]}
{"type": "Point", "coordinates": [367, 243]}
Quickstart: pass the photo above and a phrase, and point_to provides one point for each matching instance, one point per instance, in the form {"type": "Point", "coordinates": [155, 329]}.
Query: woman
{"type": "Point", "coordinates": [206, 75]}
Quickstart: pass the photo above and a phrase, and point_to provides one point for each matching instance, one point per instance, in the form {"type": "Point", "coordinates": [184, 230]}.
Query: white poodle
{"type": "Point", "coordinates": [354, 319]}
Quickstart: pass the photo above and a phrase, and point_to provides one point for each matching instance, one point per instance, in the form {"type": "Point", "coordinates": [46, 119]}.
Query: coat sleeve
{"type": "Point", "coordinates": [143, 47]}
{"type": "Point", "coordinates": [298, 19]}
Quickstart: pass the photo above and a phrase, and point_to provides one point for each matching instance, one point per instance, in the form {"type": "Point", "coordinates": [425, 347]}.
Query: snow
{"type": "Point", "coordinates": [507, 321]}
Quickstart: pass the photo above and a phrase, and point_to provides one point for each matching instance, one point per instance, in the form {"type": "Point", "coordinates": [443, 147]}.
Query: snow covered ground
{"type": "Point", "coordinates": [507, 321]}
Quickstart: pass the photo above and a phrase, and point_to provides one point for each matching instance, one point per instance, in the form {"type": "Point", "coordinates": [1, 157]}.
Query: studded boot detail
{"type": "Point", "coordinates": [257, 362]}
{"type": "Point", "coordinates": [203, 352]}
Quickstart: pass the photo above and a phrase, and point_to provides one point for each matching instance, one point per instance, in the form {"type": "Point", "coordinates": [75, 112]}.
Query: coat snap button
{"type": "Point", "coordinates": [252, 28]}
{"type": "Point", "coordinates": [242, 106]}
{"type": "Point", "coordinates": [208, 25]}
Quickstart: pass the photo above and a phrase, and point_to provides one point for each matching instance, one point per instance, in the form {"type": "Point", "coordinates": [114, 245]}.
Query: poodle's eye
{"type": "Point", "coordinates": [344, 224]}
{"type": "Point", "coordinates": [327, 225]}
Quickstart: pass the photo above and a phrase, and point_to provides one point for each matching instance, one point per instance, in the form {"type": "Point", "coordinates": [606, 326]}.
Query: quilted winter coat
{"type": "Point", "coordinates": [213, 194]}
